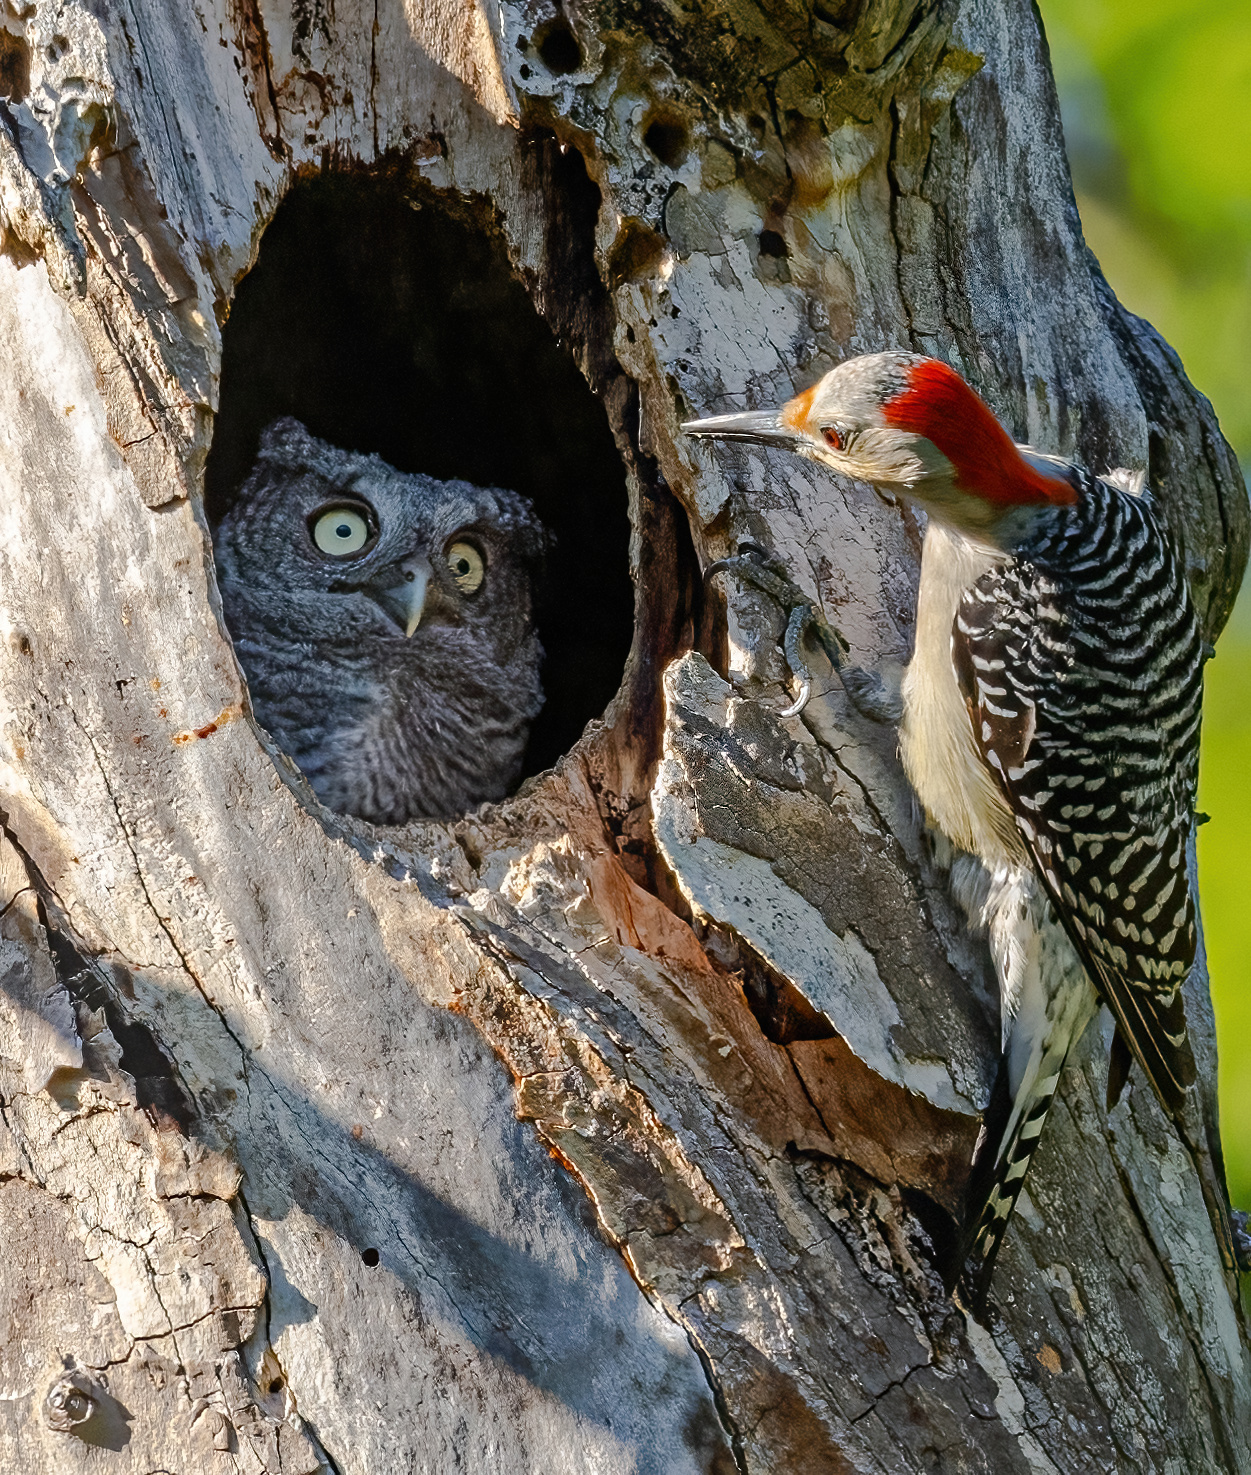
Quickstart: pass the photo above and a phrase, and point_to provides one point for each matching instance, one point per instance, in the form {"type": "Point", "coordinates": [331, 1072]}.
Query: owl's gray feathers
{"type": "Point", "coordinates": [384, 724]}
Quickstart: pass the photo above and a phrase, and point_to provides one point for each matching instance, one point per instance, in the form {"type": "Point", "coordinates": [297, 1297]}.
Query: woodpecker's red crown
{"type": "Point", "coordinates": [938, 404]}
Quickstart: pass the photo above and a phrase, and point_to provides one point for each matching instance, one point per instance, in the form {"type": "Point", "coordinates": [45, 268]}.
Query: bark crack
{"type": "Point", "coordinates": [279, 146]}
{"type": "Point", "coordinates": [373, 77]}
{"type": "Point", "coordinates": [719, 1400]}
{"type": "Point", "coordinates": [890, 1388]}
{"type": "Point", "coordinates": [162, 922]}
{"type": "Point", "coordinates": [267, 1321]}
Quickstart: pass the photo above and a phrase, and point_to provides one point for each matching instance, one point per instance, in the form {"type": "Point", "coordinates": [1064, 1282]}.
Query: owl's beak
{"type": "Point", "coordinates": [405, 601]}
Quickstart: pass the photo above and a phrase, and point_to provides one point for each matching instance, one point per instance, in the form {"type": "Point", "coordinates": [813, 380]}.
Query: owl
{"type": "Point", "coordinates": [383, 622]}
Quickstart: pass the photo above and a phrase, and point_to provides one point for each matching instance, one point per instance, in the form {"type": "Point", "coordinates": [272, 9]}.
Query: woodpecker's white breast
{"type": "Point", "coordinates": [936, 741]}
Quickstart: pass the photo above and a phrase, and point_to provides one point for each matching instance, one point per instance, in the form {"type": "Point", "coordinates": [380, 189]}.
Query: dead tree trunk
{"type": "Point", "coordinates": [619, 1127]}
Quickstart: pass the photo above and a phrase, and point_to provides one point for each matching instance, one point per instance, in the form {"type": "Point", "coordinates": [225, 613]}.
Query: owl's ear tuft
{"type": "Point", "coordinates": [528, 540]}
{"type": "Point", "coordinates": [281, 437]}
{"type": "Point", "coordinates": [534, 543]}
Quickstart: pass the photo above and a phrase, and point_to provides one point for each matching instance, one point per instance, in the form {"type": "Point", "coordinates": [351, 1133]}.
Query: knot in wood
{"type": "Point", "coordinates": [70, 1401]}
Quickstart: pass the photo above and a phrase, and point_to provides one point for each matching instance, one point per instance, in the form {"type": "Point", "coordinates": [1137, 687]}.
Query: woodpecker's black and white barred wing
{"type": "Point", "coordinates": [1081, 660]}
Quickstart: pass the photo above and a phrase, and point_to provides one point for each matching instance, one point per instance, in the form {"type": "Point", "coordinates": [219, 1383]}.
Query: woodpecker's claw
{"type": "Point", "coordinates": [755, 566]}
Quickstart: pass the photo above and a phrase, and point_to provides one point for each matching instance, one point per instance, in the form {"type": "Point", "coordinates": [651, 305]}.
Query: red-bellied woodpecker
{"type": "Point", "coordinates": [1050, 728]}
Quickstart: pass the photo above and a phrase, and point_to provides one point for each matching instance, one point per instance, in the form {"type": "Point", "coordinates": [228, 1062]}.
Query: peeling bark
{"type": "Point", "coordinates": [621, 1126]}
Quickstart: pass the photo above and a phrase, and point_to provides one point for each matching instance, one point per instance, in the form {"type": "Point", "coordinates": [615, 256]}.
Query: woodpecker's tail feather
{"type": "Point", "coordinates": [1046, 1002]}
{"type": "Point", "coordinates": [1001, 1164]}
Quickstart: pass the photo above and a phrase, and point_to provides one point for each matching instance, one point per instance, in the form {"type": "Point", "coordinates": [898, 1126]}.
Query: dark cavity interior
{"type": "Point", "coordinates": [387, 323]}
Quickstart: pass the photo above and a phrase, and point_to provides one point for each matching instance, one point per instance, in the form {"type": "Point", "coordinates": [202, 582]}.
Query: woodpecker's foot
{"type": "Point", "coordinates": [872, 696]}
{"type": "Point", "coordinates": [1240, 1233]}
{"type": "Point", "coordinates": [754, 566]}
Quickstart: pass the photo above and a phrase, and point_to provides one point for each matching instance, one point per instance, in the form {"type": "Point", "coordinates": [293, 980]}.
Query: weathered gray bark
{"type": "Point", "coordinates": [513, 1145]}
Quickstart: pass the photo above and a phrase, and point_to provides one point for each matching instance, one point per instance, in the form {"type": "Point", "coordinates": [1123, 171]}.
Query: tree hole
{"type": "Point", "coordinates": [370, 1257]}
{"type": "Point", "coordinates": [390, 323]}
{"type": "Point", "coordinates": [668, 139]}
{"type": "Point", "coordinates": [772, 244]}
{"type": "Point", "coordinates": [558, 47]}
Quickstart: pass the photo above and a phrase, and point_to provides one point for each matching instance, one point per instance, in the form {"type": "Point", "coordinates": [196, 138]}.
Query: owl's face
{"type": "Point", "coordinates": [391, 557]}
{"type": "Point", "coordinates": [383, 621]}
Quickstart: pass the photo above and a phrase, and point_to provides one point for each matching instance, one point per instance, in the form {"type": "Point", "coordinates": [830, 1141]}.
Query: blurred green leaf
{"type": "Point", "coordinates": [1224, 875]}
{"type": "Point", "coordinates": [1156, 97]}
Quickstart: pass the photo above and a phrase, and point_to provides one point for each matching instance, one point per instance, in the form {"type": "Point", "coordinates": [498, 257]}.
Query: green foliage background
{"type": "Point", "coordinates": [1156, 98]}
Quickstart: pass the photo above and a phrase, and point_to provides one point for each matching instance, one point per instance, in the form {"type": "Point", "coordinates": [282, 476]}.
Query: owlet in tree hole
{"type": "Point", "coordinates": [383, 621]}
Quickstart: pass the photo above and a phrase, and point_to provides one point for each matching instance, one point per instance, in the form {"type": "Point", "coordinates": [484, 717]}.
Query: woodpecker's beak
{"type": "Point", "coordinates": [404, 600]}
{"type": "Point", "coordinates": [761, 427]}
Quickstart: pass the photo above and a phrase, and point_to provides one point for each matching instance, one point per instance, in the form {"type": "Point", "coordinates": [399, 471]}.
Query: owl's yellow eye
{"type": "Point", "coordinates": [340, 531]}
{"type": "Point", "coordinates": [467, 565]}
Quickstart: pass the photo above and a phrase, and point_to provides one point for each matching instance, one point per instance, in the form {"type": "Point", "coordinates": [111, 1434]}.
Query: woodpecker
{"type": "Point", "coordinates": [1049, 726]}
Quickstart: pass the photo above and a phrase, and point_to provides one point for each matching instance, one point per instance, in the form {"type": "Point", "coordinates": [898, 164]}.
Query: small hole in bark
{"type": "Point", "coordinates": [781, 1011]}
{"type": "Point", "coordinates": [370, 1257]}
{"type": "Point", "coordinates": [668, 139]}
{"type": "Point", "coordinates": [772, 244]}
{"type": "Point", "coordinates": [14, 67]}
{"type": "Point", "coordinates": [276, 1384]}
{"type": "Point", "coordinates": [558, 47]}
{"type": "Point", "coordinates": [838, 13]}
{"type": "Point", "coordinates": [524, 73]}
{"type": "Point", "coordinates": [633, 254]}
{"type": "Point", "coordinates": [386, 318]}
{"type": "Point", "coordinates": [940, 1228]}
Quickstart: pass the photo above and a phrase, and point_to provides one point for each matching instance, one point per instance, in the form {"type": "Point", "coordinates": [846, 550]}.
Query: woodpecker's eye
{"type": "Point", "coordinates": [467, 565]}
{"type": "Point", "coordinates": [341, 531]}
{"type": "Point", "coordinates": [832, 438]}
